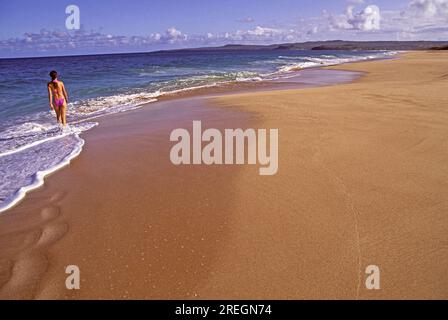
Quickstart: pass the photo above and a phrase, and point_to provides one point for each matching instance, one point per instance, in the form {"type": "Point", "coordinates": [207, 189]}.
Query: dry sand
{"type": "Point", "coordinates": [363, 180]}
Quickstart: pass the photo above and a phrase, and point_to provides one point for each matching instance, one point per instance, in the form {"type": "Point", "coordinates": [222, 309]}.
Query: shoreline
{"type": "Point", "coordinates": [285, 237]}
{"type": "Point", "coordinates": [292, 81]}
{"type": "Point", "coordinates": [306, 78]}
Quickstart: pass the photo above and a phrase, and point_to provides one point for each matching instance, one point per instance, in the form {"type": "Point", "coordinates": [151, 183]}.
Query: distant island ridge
{"type": "Point", "coordinates": [330, 45]}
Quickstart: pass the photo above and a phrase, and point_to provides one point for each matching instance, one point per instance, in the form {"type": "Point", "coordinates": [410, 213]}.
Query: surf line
{"type": "Point", "coordinates": [212, 147]}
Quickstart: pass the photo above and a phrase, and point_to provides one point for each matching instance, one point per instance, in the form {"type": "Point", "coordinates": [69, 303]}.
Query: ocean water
{"type": "Point", "coordinates": [32, 144]}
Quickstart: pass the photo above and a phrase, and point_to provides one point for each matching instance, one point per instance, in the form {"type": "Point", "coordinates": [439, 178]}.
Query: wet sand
{"type": "Point", "coordinates": [363, 177]}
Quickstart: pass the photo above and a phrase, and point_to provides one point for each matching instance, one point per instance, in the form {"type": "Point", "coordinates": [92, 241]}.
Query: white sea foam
{"type": "Point", "coordinates": [325, 60]}
{"type": "Point", "coordinates": [26, 169]}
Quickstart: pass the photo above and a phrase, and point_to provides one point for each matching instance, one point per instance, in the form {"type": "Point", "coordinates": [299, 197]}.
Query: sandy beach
{"type": "Point", "coordinates": [362, 180]}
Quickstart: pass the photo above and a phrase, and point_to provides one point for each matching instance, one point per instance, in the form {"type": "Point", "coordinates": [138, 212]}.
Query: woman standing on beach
{"type": "Point", "coordinates": [58, 98]}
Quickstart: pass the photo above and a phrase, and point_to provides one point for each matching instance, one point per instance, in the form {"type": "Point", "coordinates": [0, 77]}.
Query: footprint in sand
{"type": "Point", "coordinates": [23, 263]}
{"type": "Point", "coordinates": [5, 271]}
{"type": "Point", "coordinates": [57, 197]}
{"type": "Point", "coordinates": [25, 275]}
{"type": "Point", "coordinates": [50, 213]}
{"type": "Point", "coordinates": [27, 222]}
{"type": "Point", "coordinates": [51, 233]}
{"type": "Point", "coordinates": [11, 244]}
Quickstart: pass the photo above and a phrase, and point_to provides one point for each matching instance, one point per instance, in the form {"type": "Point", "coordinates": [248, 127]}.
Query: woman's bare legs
{"type": "Point", "coordinates": [63, 114]}
{"type": "Point", "coordinates": [57, 109]}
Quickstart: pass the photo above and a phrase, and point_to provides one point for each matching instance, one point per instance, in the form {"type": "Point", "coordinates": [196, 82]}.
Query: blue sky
{"type": "Point", "coordinates": [29, 27]}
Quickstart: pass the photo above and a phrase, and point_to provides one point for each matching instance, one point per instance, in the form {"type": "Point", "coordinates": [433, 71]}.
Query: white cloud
{"type": "Point", "coordinates": [156, 36]}
{"type": "Point", "coordinates": [368, 19]}
{"type": "Point", "coordinates": [430, 8]}
{"type": "Point", "coordinates": [313, 30]}
{"type": "Point", "coordinates": [420, 20]}
{"type": "Point", "coordinates": [261, 34]}
{"type": "Point", "coordinates": [171, 35]}
{"type": "Point", "coordinates": [47, 41]}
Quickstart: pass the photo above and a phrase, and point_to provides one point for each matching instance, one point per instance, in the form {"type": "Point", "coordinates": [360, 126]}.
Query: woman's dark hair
{"type": "Point", "coordinates": [54, 76]}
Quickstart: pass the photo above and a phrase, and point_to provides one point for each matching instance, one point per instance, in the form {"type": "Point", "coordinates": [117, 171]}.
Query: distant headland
{"type": "Point", "coordinates": [332, 45]}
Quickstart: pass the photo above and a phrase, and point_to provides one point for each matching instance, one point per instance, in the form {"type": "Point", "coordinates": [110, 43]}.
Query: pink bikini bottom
{"type": "Point", "coordinates": [59, 102]}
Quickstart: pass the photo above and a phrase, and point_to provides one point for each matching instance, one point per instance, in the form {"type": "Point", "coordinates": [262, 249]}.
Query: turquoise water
{"type": "Point", "coordinates": [31, 143]}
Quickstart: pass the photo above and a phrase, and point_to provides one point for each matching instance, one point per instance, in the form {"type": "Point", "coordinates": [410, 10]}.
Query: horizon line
{"type": "Point", "coordinates": [222, 46]}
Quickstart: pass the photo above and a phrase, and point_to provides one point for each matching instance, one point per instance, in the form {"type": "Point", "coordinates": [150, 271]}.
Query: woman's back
{"type": "Point", "coordinates": [57, 88]}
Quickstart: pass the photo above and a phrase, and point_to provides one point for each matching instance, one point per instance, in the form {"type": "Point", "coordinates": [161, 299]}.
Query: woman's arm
{"type": "Point", "coordinates": [64, 92]}
{"type": "Point", "coordinates": [50, 97]}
